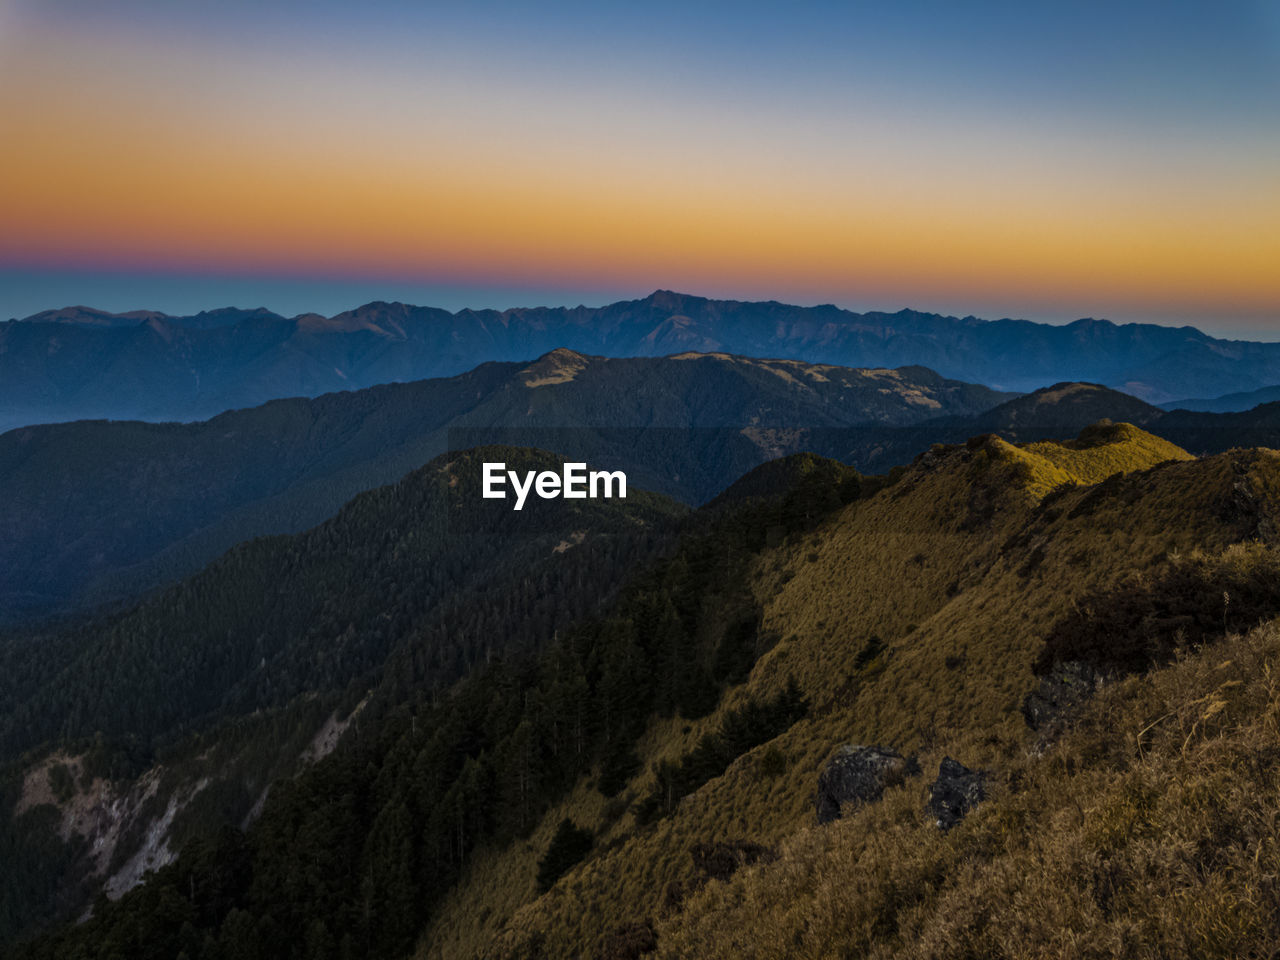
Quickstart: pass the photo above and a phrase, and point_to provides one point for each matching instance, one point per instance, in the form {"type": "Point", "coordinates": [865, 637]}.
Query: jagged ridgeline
{"type": "Point", "coordinates": [645, 784]}
{"type": "Point", "coordinates": [78, 362]}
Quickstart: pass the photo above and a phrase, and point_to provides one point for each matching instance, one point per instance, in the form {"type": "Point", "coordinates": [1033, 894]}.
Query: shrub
{"type": "Point", "coordinates": [772, 763]}
{"type": "Point", "coordinates": [567, 848]}
{"type": "Point", "coordinates": [741, 729]}
{"type": "Point", "coordinates": [1143, 619]}
{"type": "Point", "coordinates": [61, 782]}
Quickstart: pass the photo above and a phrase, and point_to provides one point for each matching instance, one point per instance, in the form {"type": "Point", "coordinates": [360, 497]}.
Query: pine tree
{"type": "Point", "coordinates": [567, 848]}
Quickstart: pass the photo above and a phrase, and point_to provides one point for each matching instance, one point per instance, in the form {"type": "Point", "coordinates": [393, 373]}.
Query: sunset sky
{"type": "Point", "coordinates": [1048, 161]}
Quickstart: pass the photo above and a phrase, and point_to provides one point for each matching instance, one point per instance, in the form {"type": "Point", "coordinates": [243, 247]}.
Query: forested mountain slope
{"type": "Point", "coordinates": [210, 688]}
{"type": "Point", "coordinates": [280, 616]}
{"type": "Point", "coordinates": [510, 738]}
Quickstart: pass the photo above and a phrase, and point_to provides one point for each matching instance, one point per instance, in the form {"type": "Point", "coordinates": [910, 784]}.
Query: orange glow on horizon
{"type": "Point", "coordinates": [120, 176]}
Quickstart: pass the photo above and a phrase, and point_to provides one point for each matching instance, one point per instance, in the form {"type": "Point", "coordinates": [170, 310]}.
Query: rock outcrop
{"type": "Point", "coordinates": [860, 775]}
{"type": "Point", "coordinates": [955, 792]}
{"type": "Point", "coordinates": [1061, 694]}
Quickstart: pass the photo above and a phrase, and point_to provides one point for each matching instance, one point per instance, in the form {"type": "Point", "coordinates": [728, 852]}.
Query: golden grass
{"type": "Point", "coordinates": [1103, 450]}
{"type": "Point", "coordinates": [1151, 831]}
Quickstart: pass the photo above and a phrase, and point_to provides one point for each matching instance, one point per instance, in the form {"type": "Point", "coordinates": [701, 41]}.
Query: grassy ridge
{"type": "Point", "coordinates": [912, 619]}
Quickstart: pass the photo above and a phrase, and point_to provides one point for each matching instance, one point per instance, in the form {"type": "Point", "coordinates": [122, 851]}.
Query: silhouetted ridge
{"type": "Point", "coordinates": [228, 358]}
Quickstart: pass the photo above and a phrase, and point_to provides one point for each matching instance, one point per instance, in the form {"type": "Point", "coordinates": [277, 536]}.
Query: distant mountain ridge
{"type": "Point", "coordinates": [1227, 403]}
{"type": "Point", "coordinates": [99, 510]}
{"type": "Point", "coordinates": [80, 363]}
{"type": "Point", "coordinates": [127, 505]}
{"type": "Point", "coordinates": [1057, 412]}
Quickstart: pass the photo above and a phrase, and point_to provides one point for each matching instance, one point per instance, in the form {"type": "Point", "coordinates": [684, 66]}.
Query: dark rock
{"type": "Point", "coordinates": [956, 791]}
{"type": "Point", "coordinates": [860, 775]}
{"type": "Point", "coordinates": [1061, 694]}
{"type": "Point", "coordinates": [1246, 504]}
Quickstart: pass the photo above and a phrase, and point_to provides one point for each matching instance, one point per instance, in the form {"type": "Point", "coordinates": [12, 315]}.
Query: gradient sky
{"type": "Point", "coordinates": [1042, 160]}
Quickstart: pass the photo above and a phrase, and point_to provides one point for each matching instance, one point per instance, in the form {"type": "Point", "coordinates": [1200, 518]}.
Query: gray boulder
{"type": "Point", "coordinates": [1061, 694]}
{"type": "Point", "coordinates": [956, 791]}
{"type": "Point", "coordinates": [860, 775]}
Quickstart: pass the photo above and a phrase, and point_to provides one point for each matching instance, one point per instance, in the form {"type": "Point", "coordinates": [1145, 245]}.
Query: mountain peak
{"type": "Point", "coordinates": [559, 366]}
{"type": "Point", "coordinates": [563, 353]}
{"type": "Point", "coordinates": [671, 300]}
{"type": "Point", "coordinates": [1070, 404]}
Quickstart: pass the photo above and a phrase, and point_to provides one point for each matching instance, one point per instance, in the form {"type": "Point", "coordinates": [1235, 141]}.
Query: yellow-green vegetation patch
{"type": "Point", "coordinates": [1106, 449]}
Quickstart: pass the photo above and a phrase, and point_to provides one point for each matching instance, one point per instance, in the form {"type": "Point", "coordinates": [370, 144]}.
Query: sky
{"type": "Point", "coordinates": [1040, 160]}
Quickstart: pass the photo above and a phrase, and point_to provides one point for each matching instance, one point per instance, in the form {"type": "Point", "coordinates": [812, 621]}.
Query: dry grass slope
{"type": "Point", "coordinates": [912, 619]}
{"type": "Point", "coordinates": [1150, 831]}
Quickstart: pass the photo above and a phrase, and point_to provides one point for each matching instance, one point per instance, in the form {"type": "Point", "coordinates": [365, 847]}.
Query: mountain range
{"type": "Point", "coordinates": [81, 363]}
{"type": "Point", "coordinates": [99, 511]}
{"type": "Point", "coordinates": [95, 509]}
{"type": "Point", "coordinates": [871, 660]}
